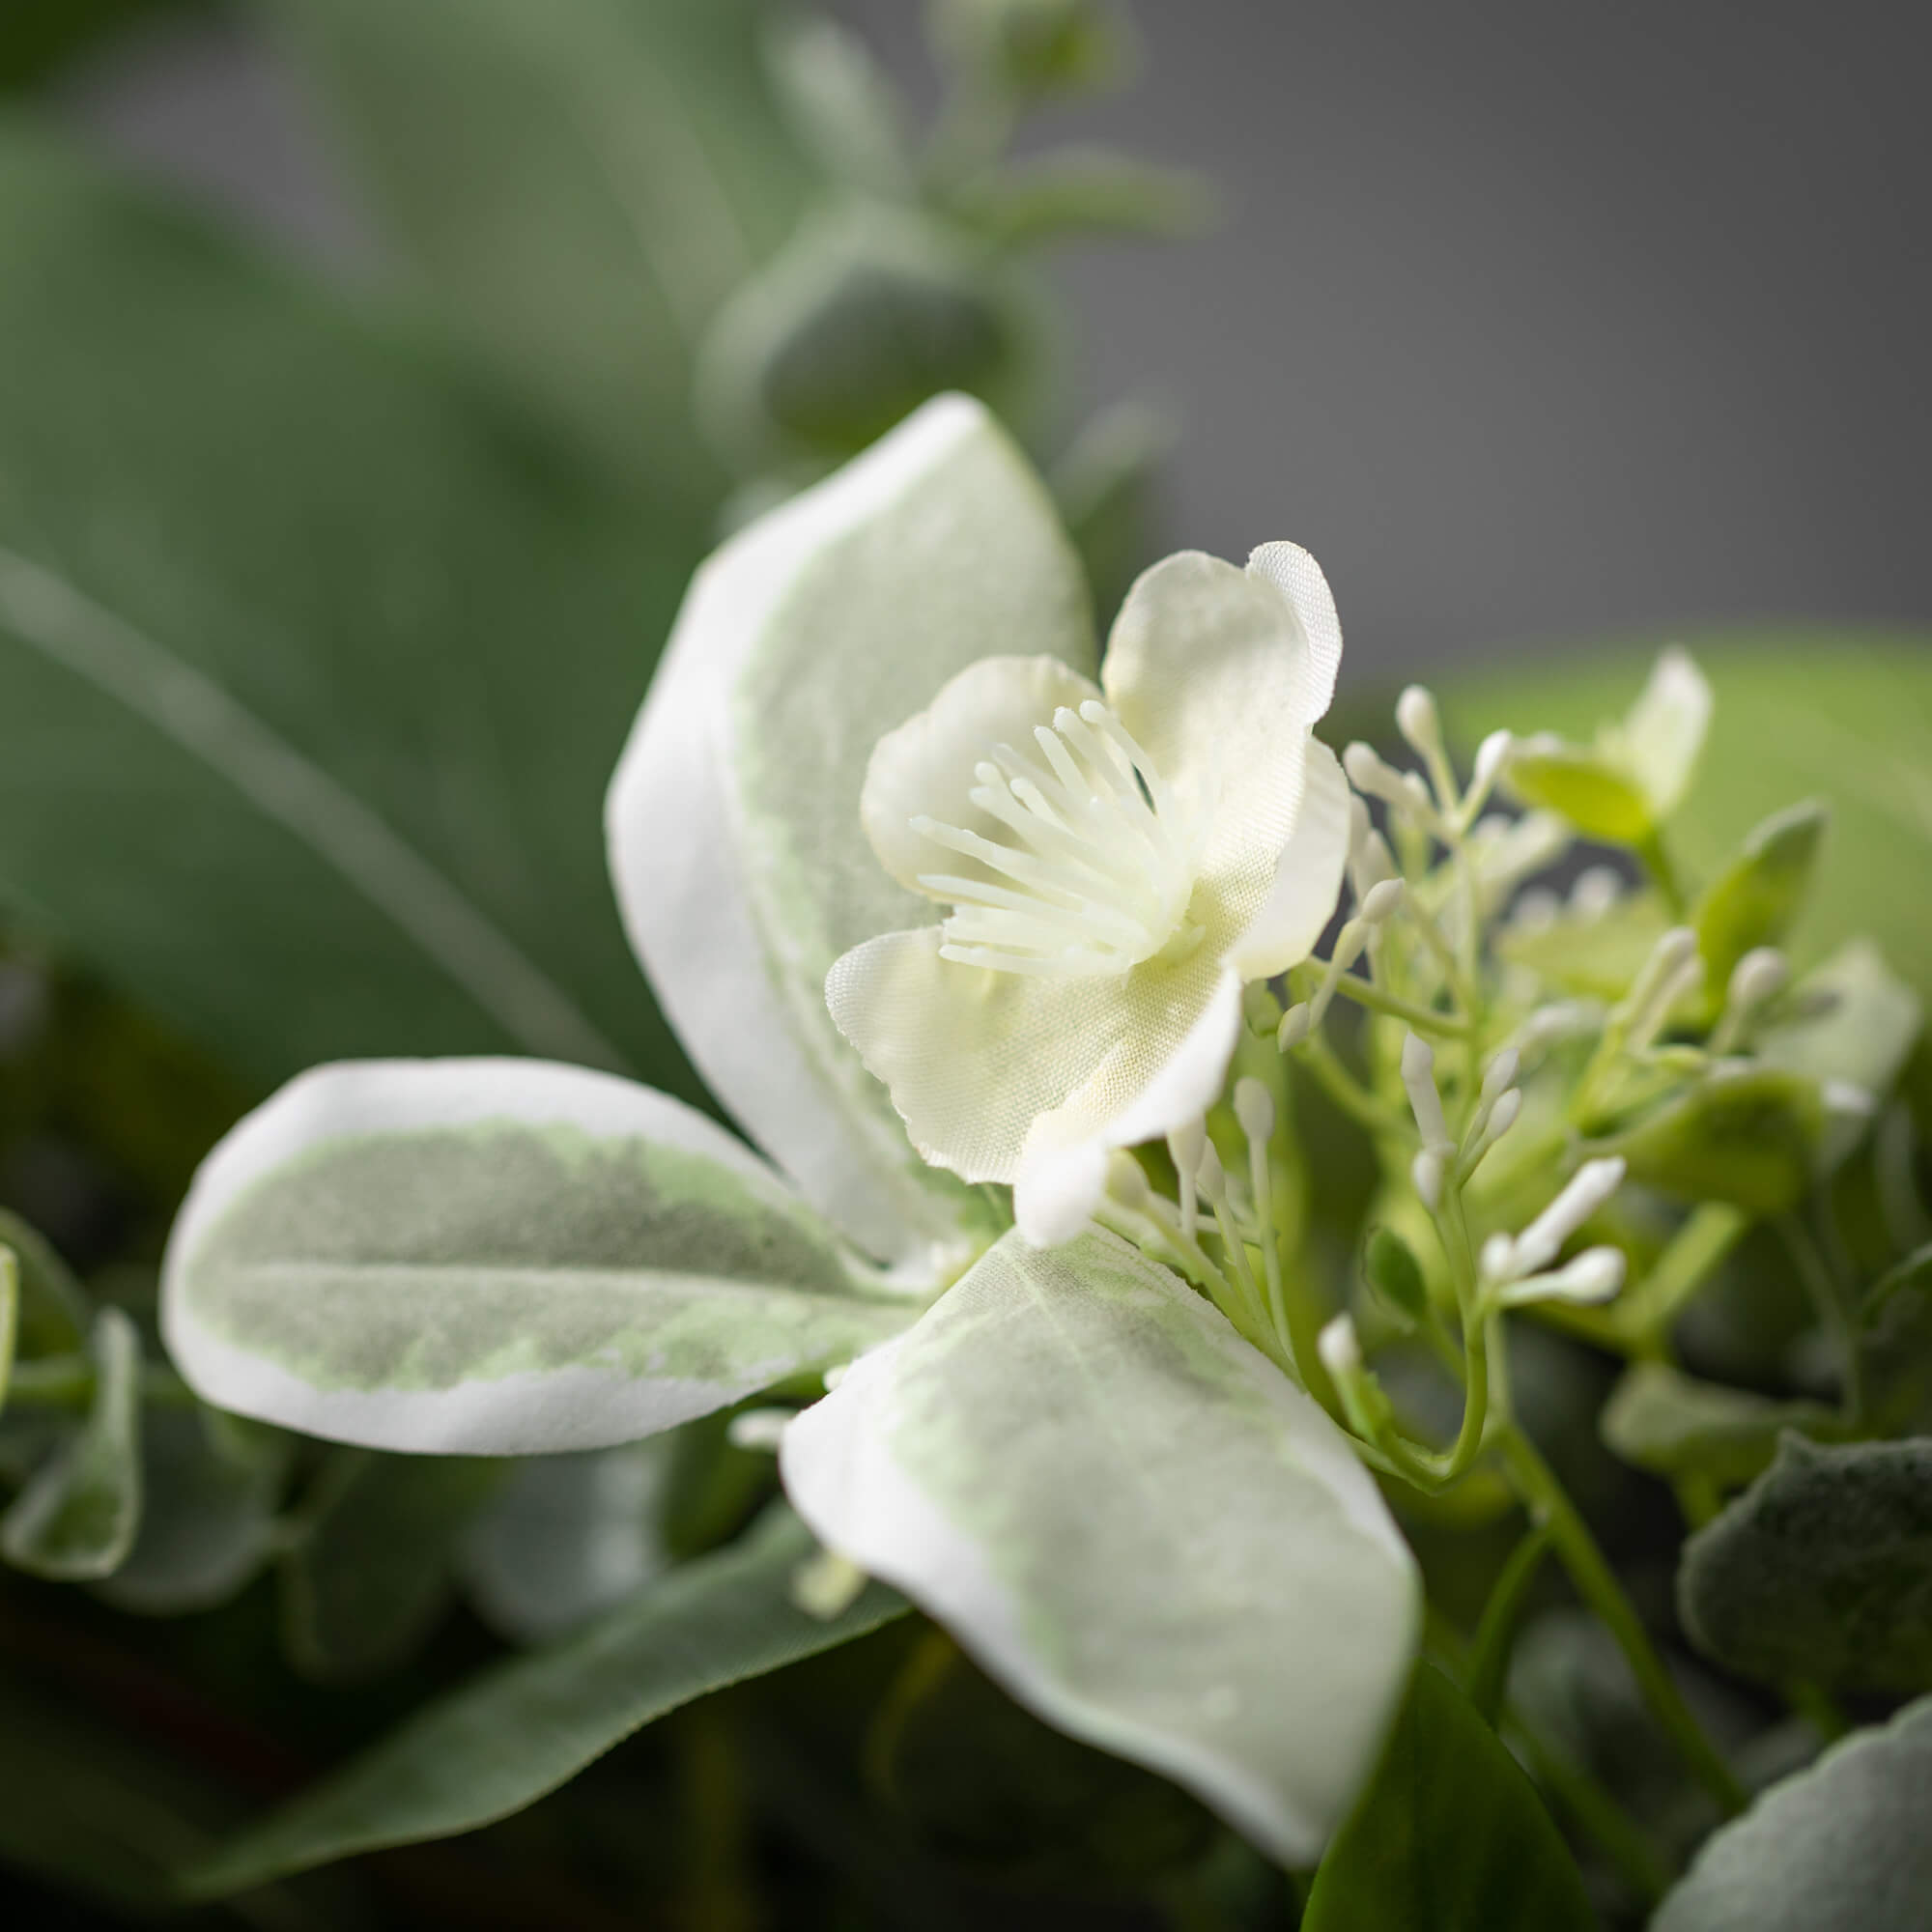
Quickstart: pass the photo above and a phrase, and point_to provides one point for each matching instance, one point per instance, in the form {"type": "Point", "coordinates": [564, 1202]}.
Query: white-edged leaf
{"type": "Point", "coordinates": [1135, 1523]}
{"type": "Point", "coordinates": [1840, 1847]}
{"type": "Point", "coordinates": [497, 1257]}
{"type": "Point", "coordinates": [508, 1737]}
{"type": "Point", "coordinates": [568, 1537]}
{"type": "Point", "coordinates": [77, 1514]}
{"type": "Point", "coordinates": [733, 819]}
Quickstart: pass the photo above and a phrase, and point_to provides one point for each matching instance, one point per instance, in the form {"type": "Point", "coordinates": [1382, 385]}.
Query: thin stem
{"type": "Point", "coordinates": [1425, 1019]}
{"type": "Point", "coordinates": [1543, 1496]}
{"type": "Point", "coordinates": [1488, 1668]}
{"type": "Point", "coordinates": [1342, 1086]}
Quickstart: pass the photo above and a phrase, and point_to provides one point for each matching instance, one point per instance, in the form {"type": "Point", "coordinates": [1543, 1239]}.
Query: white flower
{"type": "Point", "coordinates": [1117, 860]}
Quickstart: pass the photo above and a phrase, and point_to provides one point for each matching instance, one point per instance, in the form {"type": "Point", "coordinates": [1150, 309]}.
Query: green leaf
{"type": "Point", "coordinates": [52, 1313]}
{"type": "Point", "coordinates": [373, 1572]}
{"type": "Point", "coordinates": [843, 107]}
{"type": "Point", "coordinates": [1032, 47]}
{"type": "Point", "coordinates": [1822, 1569]}
{"type": "Point", "coordinates": [1867, 1031]}
{"type": "Point", "coordinates": [1598, 955]}
{"type": "Point", "coordinates": [285, 590]}
{"type": "Point", "coordinates": [567, 1537]}
{"type": "Point", "coordinates": [1450, 1836]}
{"type": "Point", "coordinates": [77, 1514]}
{"type": "Point", "coordinates": [804, 639]}
{"type": "Point", "coordinates": [866, 312]}
{"type": "Point", "coordinates": [1082, 191]}
{"type": "Point", "coordinates": [1749, 1137]}
{"type": "Point", "coordinates": [580, 184]}
{"type": "Point", "coordinates": [1843, 717]}
{"type": "Point", "coordinates": [1840, 1847]}
{"type": "Point", "coordinates": [517, 1732]}
{"type": "Point", "coordinates": [209, 1487]}
{"type": "Point", "coordinates": [1754, 901]}
{"type": "Point", "coordinates": [1134, 1522]}
{"type": "Point", "coordinates": [499, 1258]}
{"type": "Point", "coordinates": [1590, 791]}
{"type": "Point", "coordinates": [1661, 1419]}
{"type": "Point", "coordinates": [9, 1316]}
{"type": "Point", "coordinates": [1395, 1274]}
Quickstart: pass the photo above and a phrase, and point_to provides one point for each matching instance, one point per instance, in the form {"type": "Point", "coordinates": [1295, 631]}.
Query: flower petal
{"type": "Point", "coordinates": [1299, 577]}
{"type": "Point", "coordinates": [926, 766]}
{"type": "Point", "coordinates": [740, 864]}
{"type": "Point", "coordinates": [499, 1257]}
{"type": "Point", "coordinates": [1135, 1523]}
{"type": "Point", "coordinates": [975, 1058]}
{"type": "Point", "coordinates": [1213, 671]}
{"type": "Point", "coordinates": [1665, 732]}
{"type": "Point", "coordinates": [1307, 877]}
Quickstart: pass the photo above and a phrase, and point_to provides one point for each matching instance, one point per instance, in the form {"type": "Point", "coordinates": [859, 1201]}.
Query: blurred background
{"type": "Point", "coordinates": [1533, 324]}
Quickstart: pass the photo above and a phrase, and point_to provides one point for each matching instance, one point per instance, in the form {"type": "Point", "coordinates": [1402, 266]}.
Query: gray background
{"type": "Point", "coordinates": [1534, 322]}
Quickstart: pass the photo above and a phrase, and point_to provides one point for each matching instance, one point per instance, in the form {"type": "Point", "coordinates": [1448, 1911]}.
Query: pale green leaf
{"type": "Point", "coordinates": [372, 1571]}
{"type": "Point", "coordinates": [1756, 898]}
{"type": "Point", "coordinates": [843, 107]}
{"type": "Point", "coordinates": [1134, 1522]}
{"type": "Point", "coordinates": [499, 1257]}
{"type": "Point", "coordinates": [1822, 1569]}
{"type": "Point", "coordinates": [210, 1487]}
{"type": "Point", "coordinates": [291, 595]}
{"type": "Point", "coordinates": [735, 842]}
{"type": "Point", "coordinates": [1867, 1031]}
{"type": "Point", "coordinates": [1747, 1136]}
{"type": "Point", "coordinates": [1591, 791]}
{"type": "Point", "coordinates": [1661, 1419]}
{"type": "Point", "coordinates": [1840, 1847]}
{"type": "Point", "coordinates": [580, 184]}
{"type": "Point", "coordinates": [1450, 1836]}
{"type": "Point", "coordinates": [567, 1537]}
{"type": "Point", "coordinates": [520, 1730]}
{"type": "Point", "coordinates": [76, 1517]}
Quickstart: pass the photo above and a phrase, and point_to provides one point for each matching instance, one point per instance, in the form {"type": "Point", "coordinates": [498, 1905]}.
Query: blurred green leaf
{"type": "Point", "coordinates": [579, 185]}
{"type": "Point", "coordinates": [330, 656]}
{"type": "Point", "coordinates": [9, 1315]}
{"type": "Point", "coordinates": [520, 1730]}
{"type": "Point", "coordinates": [39, 38]}
{"type": "Point", "coordinates": [1754, 901]}
{"type": "Point", "coordinates": [1587, 789]}
{"type": "Point", "coordinates": [1748, 1137]}
{"type": "Point", "coordinates": [372, 1574]}
{"type": "Point", "coordinates": [1082, 191]}
{"type": "Point", "coordinates": [1840, 1847]}
{"type": "Point", "coordinates": [1822, 1569]}
{"type": "Point", "coordinates": [53, 1314]}
{"type": "Point", "coordinates": [1597, 954]}
{"type": "Point", "coordinates": [1035, 48]}
{"type": "Point", "coordinates": [843, 107]}
{"type": "Point", "coordinates": [76, 1517]}
{"type": "Point", "coordinates": [1866, 1031]}
{"type": "Point", "coordinates": [1661, 1419]}
{"type": "Point", "coordinates": [1450, 1836]}
{"type": "Point", "coordinates": [209, 1486]}
{"type": "Point", "coordinates": [1105, 482]}
{"type": "Point", "coordinates": [1841, 717]}
{"type": "Point", "coordinates": [1395, 1274]}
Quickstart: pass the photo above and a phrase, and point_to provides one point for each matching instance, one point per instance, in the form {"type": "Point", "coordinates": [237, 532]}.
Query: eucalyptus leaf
{"type": "Point", "coordinates": [736, 846]}
{"type": "Point", "coordinates": [1822, 1569]}
{"type": "Point", "coordinates": [1754, 901]}
{"type": "Point", "coordinates": [1840, 1847]}
{"type": "Point", "coordinates": [288, 590]}
{"type": "Point", "coordinates": [499, 1257]}
{"type": "Point", "coordinates": [373, 1572]}
{"type": "Point", "coordinates": [1450, 1834]}
{"type": "Point", "coordinates": [77, 1514]}
{"type": "Point", "coordinates": [984, 1463]}
{"type": "Point", "coordinates": [1661, 1419]}
{"type": "Point", "coordinates": [1749, 1136]}
{"type": "Point", "coordinates": [209, 1488]}
{"type": "Point", "coordinates": [567, 1537]}
{"type": "Point", "coordinates": [520, 1730]}
{"type": "Point", "coordinates": [580, 184]}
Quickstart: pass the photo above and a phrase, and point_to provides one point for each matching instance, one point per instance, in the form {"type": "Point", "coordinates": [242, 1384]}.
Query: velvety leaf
{"type": "Point", "coordinates": [567, 1537]}
{"type": "Point", "coordinates": [1755, 899]}
{"type": "Point", "coordinates": [1844, 718]}
{"type": "Point", "coordinates": [326, 649]}
{"type": "Point", "coordinates": [499, 1258]}
{"type": "Point", "coordinates": [1661, 1419]}
{"type": "Point", "coordinates": [1450, 1834]}
{"type": "Point", "coordinates": [1748, 1137]}
{"type": "Point", "coordinates": [210, 1487]}
{"type": "Point", "coordinates": [373, 1572]}
{"type": "Point", "coordinates": [76, 1517]}
{"type": "Point", "coordinates": [1840, 1847]}
{"type": "Point", "coordinates": [580, 184]}
{"type": "Point", "coordinates": [1037, 1465]}
{"type": "Point", "coordinates": [1822, 1569]}
{"type": "Point", "coordinates": [736, 843]}
{"type": "Point", "coordinates": [52, 1315]}
{"type": "Point", "coordinates": [520, 1730]}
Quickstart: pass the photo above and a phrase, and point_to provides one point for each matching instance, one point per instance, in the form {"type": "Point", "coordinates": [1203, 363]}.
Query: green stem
{"type": "Point", "coordinates": [1341, 1086]}
{"type": "Point", "coordinates": [1597, 1814]}
{"type": "Point", "coordinates": [1647, 1311]}
{"type": "Point", "coordinates": [1543, 1496]}
{"type": "Point", "coordinates": [1650, 848]}
{"type": "Point", "coordinates": [1426, 1019]}
{"type": "Point", "coordinates": [1487, 1669]}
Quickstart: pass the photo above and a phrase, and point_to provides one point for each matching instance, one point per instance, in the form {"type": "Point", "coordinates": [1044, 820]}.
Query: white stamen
{"type": "Point", "coordinates": [1380, 902]}
{"type": "Point", "coordinates": [1426, 1171]}
{"type": "Point", "coordinates": [1093, 865]}
{"type": "Point", "coordinates": [1499, 1075]}
{"type": "Point", "coordinates": [1254, 1108]}
{"type": "Point", "coordinates": [1418, 1078]}
{"type": "Point", "coordinates": [1339, 1347]}
{"type": "Point", "coordinates": [1595, 1275]}
{"type": "Point", "coordinates": [1491, 755]}
{"type": "Point", "coordinates": [1590, 1186]}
